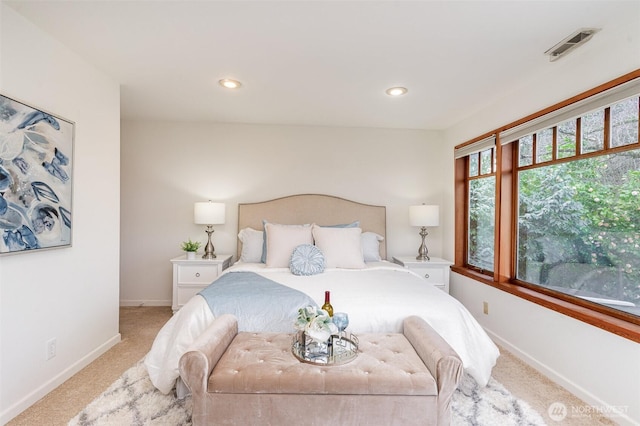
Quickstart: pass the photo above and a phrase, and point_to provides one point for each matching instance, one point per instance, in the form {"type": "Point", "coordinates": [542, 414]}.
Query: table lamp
{"type": "Point", "coordinates": [424, 216]}
{"type": "Point", "coordinates": [209, 213]}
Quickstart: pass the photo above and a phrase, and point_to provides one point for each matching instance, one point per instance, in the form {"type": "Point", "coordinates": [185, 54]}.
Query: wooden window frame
{"type": "Point", "coordinates": [503, 276]}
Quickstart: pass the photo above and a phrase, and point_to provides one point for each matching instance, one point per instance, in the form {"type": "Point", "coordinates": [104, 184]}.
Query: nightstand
{"type": "Point", "coordinates": [435, 271]}
{"type": "Point", "coordinates": [191, 276]}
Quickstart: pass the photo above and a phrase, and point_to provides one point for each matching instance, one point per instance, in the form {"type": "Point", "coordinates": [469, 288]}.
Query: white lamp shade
{"type": "Point", "coordinates": [209, 213]}
{"type": "Point", "coordinates": [424, 215]}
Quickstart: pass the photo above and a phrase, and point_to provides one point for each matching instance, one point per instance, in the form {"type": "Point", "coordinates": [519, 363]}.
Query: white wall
{"type": "Point", "coordinates": [598, 366]}
{"type": "Point", "coordinates": [71, 293]}
{"type": "Point", "coordinates": [166, 167]}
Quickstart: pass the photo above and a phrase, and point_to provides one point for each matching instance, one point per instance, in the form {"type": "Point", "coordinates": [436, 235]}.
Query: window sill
{"type": "Point", "coordinates": [613, 323]}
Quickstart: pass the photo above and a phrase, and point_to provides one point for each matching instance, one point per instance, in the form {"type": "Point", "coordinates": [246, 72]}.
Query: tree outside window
{"type": "Point", "coordinates": [579, 220]}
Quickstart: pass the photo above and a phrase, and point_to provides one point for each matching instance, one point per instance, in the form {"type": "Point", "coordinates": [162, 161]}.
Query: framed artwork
{"type": "Point", "coordinates": [36, 164]}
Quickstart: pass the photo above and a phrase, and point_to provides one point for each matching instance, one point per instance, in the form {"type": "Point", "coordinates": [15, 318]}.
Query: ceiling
{"type": "Point", "coordinates": [325, 63]}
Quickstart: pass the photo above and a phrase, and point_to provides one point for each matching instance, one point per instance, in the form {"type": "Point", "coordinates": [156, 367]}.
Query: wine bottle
{"type": "Point", "coordinates": [327, 304]}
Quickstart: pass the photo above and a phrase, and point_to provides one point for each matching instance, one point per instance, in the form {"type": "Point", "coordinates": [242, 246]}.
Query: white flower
{"type": "Point", "coordinates": [305, 315]}
{"type": "Point", "coordinates": [316, 323]}
{"type": "Point", "coordinates": [321, 328]}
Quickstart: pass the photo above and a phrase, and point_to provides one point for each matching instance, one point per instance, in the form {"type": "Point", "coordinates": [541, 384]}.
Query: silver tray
{"type": "Point", "coordinates": [336, 351]}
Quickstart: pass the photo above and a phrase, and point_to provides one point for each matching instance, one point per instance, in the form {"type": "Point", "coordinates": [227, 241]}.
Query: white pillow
{"type": "Point", "coordinates": [342, 247]}
{"type": "Point", "coordinates": [282, 240]}
{"type": "Point", "coordinates": [263, 259]}
{"type": "Point", "coordinates": [371, 246]}
{"type": "Point", "coordinates": [251, 245]}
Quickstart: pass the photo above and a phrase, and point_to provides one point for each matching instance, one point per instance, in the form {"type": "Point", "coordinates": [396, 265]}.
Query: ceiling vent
{"type": "Point", "coordinates": [576, 39]}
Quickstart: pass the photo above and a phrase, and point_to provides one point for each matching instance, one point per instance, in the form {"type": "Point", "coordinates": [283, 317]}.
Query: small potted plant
{"type": "Point", "coordinates": [191, 247]}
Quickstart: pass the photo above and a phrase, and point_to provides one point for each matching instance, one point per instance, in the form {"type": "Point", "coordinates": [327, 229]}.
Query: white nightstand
{"type": "Point", "coordinates": [436, 270]}
{"type": "Point", "coordinates": [191, 276]}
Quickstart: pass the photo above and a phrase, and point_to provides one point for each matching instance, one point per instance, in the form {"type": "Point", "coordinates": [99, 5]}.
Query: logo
{"type": "Point", "coordinates": [557, 411]}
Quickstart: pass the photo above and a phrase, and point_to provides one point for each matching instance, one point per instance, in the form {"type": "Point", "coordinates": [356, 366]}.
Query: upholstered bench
{"type": "Point", "coordinates": [254, 379]}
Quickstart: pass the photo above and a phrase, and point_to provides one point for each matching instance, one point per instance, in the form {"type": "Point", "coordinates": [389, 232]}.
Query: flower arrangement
{"type": "Point", "coordinates": [316, 323]}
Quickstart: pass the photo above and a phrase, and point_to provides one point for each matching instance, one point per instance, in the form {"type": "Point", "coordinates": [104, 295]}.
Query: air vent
{"type": "Point", "coordinates": [576, 39]}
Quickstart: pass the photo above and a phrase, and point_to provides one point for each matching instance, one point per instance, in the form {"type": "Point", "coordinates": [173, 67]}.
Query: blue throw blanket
{"type": "Point", "coordinates": [259, 303]}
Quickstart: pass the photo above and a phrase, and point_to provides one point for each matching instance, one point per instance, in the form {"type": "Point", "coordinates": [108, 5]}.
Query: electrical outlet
{"type": "Point", "coordinates": [485, 308]}
{"type": "Point", "coordinates": [51, 348]}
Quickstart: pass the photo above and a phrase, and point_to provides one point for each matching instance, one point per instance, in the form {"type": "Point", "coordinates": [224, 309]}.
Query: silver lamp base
{"type": "Point", "coordinates": [209, 251]}
{"type": "Point", "coordinates": [423, 252]}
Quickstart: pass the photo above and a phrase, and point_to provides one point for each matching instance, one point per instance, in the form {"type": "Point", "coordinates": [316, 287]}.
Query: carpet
{"type": "Point", "coordinates": [133, 400]}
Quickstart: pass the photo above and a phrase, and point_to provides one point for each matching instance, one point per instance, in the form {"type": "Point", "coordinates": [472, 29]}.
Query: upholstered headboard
{"type": "Point", "coordinates": [314, 208]}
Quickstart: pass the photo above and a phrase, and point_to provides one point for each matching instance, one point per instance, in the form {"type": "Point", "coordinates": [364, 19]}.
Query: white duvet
{"type": "Point", "coordinates": [377, 299]}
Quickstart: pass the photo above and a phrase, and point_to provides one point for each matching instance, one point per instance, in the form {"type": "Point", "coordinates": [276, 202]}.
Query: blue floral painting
{"type": "Point", "coordinates": [36, 163]}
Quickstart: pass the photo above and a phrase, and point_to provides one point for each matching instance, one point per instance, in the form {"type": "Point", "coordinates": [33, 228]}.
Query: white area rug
{"type": "Point", "coordinates": [132, 400]}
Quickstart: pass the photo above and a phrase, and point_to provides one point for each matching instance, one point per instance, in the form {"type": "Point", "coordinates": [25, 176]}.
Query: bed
{"type": "Point", "coordinates": [351, 240]}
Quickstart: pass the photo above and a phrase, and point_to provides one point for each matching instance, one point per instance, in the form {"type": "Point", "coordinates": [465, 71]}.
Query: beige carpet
{"type": "Point", "coordinates": [139, 326]}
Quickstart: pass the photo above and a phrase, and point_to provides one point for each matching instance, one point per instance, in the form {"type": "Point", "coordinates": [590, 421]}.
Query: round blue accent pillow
{"type": "Point", "coordinates": [306, 259]}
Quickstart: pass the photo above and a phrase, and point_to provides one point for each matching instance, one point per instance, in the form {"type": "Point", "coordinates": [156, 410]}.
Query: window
{"type": "Point", "coordinates": [555, 205]}
{"type": "Point", "coordinates": [482, 187]}
{"type": "Point", "coordinates": [579, 220]}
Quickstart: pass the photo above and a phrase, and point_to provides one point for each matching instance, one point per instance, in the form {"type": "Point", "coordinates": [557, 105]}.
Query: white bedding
{"type": "Point", "coordinates": [377, 299]}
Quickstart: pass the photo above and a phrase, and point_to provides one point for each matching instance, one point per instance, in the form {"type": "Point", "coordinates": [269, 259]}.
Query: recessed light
{"type": "Point", "coordinates": [396, 91]}
{"type": "Point", "coordinates": [230, 84]}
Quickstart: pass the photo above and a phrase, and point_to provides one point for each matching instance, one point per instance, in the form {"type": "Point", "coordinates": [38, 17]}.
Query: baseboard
{"type": "Point", "coordinates": [56, 381]}
{"type": "Point", "coordinates": [586, 396]}
{"type": "Point", "coordinates": [145, 302]}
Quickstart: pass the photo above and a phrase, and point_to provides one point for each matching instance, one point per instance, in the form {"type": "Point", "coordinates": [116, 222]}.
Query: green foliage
{"type": "Point", "coordinates": [190, 245]}
{"type": "Point", "coordinates": [482, 222]}
{"type": "Point", "coordinates": [590, 210]}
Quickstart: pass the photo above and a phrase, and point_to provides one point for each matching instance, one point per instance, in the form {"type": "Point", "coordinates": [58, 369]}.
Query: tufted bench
{"type": "Point", "coordinates": [253, 378]}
